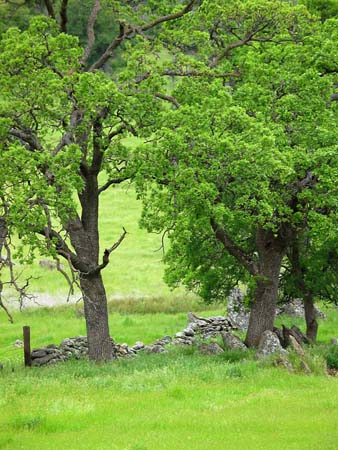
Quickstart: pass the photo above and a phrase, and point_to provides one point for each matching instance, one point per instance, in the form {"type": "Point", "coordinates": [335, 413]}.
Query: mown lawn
{"type": "Point", "coordinates": [180, 400]}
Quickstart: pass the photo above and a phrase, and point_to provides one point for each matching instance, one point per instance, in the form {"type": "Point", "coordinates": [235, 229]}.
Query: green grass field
{"type": "Point", "coordinates": [179, 400]}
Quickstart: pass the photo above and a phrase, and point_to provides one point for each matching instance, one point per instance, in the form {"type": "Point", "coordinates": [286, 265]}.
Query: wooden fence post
{"type": "Point", "coordinates": [27, 346]}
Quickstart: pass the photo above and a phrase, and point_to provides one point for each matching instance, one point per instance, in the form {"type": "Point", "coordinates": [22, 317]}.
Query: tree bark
{"type": "Point", "coordinates": [84, 236]}
{"type": "Point", "coordinates": [271, 251]}
{"type": "Point", "coordinates": [310, 317]}
{"type": "Point", "coordinates": [96, 314]}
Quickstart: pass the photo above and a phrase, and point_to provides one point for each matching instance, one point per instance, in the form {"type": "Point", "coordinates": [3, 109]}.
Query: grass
{"type": "Point", "coordinates": [179, 400]}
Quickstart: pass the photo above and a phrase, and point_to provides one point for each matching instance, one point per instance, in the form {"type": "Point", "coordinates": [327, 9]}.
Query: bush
{"type": "Point", "coordinates": [332, 357]}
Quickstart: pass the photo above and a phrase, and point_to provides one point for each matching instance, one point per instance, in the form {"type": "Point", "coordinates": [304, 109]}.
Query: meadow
{"type": "Point", "coordinates": [180, 400]}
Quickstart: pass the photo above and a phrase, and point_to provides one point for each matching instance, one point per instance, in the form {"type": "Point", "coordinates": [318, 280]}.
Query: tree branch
{"type": "Point", "coordinates": [193, 73]}
{"type": "Point", "coordinates": [233, 248]}
{"type": "Point", "coordinates": [168, 98]}
{"type": "Point", "coordinates": [105, 258]}
{"type": "Point", "coordinates": [27, 137]}
{"type": "Point", "coordinates": [62, 249]}
{"type": "Point", "coordinates": [50, 8]}
{"type": "Point", "coordinates": [109, 183]}
{"type": "Point", "coordinates": [63, 16]}
{"type": "Point", "coordinates": [90, 30]}
{"type": "Point", "coordinates": [127, 30]}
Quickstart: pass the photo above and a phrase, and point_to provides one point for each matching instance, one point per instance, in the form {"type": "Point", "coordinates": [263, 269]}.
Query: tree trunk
{"type": "Point", "coordinates": [96, 314]}
{"type": "Point", "coordinates": [84, 236]}
{"type": "Point", "coordinates": [310, 317]}
{"type": "Point", "coordinates": [271, 252]}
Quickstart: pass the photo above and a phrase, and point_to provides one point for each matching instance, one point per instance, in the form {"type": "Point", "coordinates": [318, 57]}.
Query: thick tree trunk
{"type": "Point", "coordinates": [271, 251]}
{"type": "Point", "coordinates": [310, 317]}
{"type": "Point", "coordinates": [84, 236]}
{"type": "Point", "coordinates": [96, 314]}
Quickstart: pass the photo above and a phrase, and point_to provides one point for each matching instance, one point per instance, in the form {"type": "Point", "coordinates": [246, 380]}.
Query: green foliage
{"type": "Point", "coordinates": [254, 152]}
{"type": "Point", "coordinates": [332, 357]}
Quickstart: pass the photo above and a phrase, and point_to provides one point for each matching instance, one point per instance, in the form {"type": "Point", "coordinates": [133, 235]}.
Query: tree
{"type": "Point", "coordinates": [240, 169]}
{"type": "Point", "coordinates": [62, 120]}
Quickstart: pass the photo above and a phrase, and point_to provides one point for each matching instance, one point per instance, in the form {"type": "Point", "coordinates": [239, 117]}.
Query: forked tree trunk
{"type": "Point", "coordinates": [96, 314]}
{"type": "Point", "coordinates": [310, 317]}
{"type": "Point", "coordinates": [271, 252]}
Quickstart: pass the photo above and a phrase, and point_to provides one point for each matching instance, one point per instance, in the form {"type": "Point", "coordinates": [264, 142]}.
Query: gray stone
{"type": "Point", "coordinates": [283, 361]}
{"type": "Point", "coordinates": [296, 346]}
{"type": "Point", "coordinates": [295, 308]}
{"type": "Point", "coordinates": [18, 343]}
{"type": "Point", "coordinates": [305, 368]}
{"type": "Point", "coordinates": [189, 332]}
{"type": "Point", "coordinates": [137, 346]}
{"type": "Point", "coordinates": [334, 341]}
{"type": "Point", "coordinates": [237, 312]}
{"type": "Point", "coordinates": [44, 360]}
{"type": "Point", "coordinates": [210, 349]}
{"type": "Point", "coordinates": [269, 344]}
{"type": "Point", "coordinates": [39, 353]}
{"type": "Point", "coordinates": [164, 341]}
{"type": "Point", "coordinates": [232, 342]}
{"type": "Point", "coordinates": [180, 334]}
{"type": "Point", "coordinates": [154, 349]}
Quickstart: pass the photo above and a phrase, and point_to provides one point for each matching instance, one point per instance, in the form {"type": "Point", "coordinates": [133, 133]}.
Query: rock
{"type": "Point", "coordinates": [295, 308]}
{"type": "Point", "coordinates": [189, 332]}
{"type": "Point", "coordinates": [334, 341]}
{"type": "Point", "coordinates": [138, 346]}
{"type": "Point", "coordinates": [306, 369]}
{"type": "Point", "coordinates": [232, 342]}
{"type": "Point", "coordinates": [296, 346]}
{"type": "Point", "coordinates": [39, 353]}
{"type": "Point", "coordinates": [192, 318]}
{"type": "Point", "coordinates": [180, 334]}
{"type": "Point", "coordinates": [44, 360]}
{"type": "Point", "coordinates": [282, 361]}
{"type": "Point", "coordinates": [154, 349]}
{"type": "Point", "coordinates": [164, 341]}
{"type": "Point", "coordinates": [18, 343]}
{"type": "Point", "coordinates": [210, 349]}
{"type": "Point", "coordinates": [269, 344]}
{"type": "Point", "coordinates": [237, 313]}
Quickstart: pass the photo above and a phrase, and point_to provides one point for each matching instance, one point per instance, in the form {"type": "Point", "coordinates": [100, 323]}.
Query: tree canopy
{"type": "Point", "coordinates": [242, 168]}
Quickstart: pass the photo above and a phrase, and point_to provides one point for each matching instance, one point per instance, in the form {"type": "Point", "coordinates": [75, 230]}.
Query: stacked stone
{"type": "Point", "coordinates": [237, 311]}
{"type": "Point", "coordinates": [204, 327]}
{"type": "Point", "coordinates": [159, 345]}
{"type": "Point", "coordinates": [50, 354]}
{"type": "Point", "coordinates": [295, 308]}
{"type": "Point", "coordinates": [76, 347]}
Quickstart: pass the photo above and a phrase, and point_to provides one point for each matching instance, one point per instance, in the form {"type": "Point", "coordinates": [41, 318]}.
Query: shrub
{"type": "Point", "coordinates": [332, 357]}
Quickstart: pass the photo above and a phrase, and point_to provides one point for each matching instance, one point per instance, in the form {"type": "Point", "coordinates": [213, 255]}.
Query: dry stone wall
{"type": "Point", "coordinates": [77, 347]}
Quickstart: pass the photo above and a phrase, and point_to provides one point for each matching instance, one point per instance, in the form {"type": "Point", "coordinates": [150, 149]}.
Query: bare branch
{"type": "Point", "coordinates": [90, 30]}
{"type": "Point", "coordinates": [105, 258]}
{"type": "Point", "coordinates": [110, 182]}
